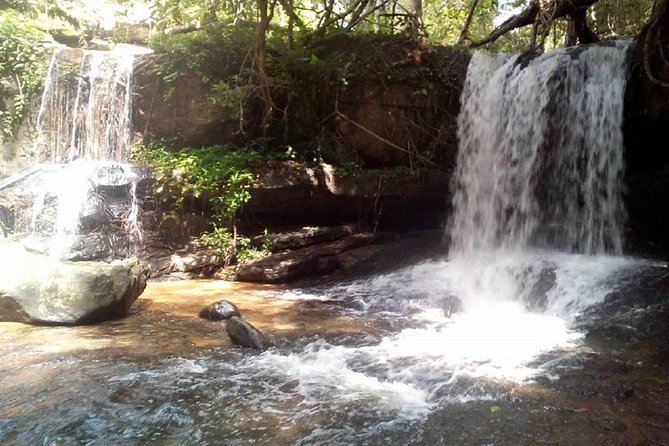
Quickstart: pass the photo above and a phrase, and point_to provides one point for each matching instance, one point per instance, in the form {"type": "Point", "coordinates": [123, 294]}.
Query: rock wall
{"type": "Point", "coordinates": [389, 101]}
{"type": "Point", "coordinates": [293, 194]}
{"type": "Point", "coordinates": [647, 157]}
{"type": "Point", "coordinates": [180, 110]}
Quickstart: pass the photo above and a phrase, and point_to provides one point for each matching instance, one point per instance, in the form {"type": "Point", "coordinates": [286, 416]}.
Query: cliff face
{"type": "Point", "coordinates": [646, 124]}
{"type": "Point", "coordinates": [381, 103]}
{"type": "Point", "coordinates": [387, 100]}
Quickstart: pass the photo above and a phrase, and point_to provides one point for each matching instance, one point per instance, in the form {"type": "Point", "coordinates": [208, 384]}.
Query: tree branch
{"type": "Point", "coordinates": [558, 8]}
{"type": "Point", "coordinates": [524, 18]}
{"type": "Point", "coordinates": [465, 29]}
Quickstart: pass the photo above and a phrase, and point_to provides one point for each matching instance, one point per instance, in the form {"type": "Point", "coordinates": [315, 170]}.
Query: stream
{"type": "Point", "coordinates": [578, 357]}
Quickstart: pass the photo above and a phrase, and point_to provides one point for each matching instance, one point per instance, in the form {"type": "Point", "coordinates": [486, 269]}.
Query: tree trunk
{"type": "Point", "coordinates": [417, 10]}
{"type": "Point", "coordinates": [261, 63]}
{"type": "Point", "coordinates": [465, 29]}
{"type": "Point", "coordinates": [578, 30]}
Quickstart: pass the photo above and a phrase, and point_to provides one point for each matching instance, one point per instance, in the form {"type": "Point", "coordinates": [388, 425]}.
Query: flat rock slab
{"type": "Point", "coordinates": [41, 290]}
{"type": "Point", "coordinates": [303, 237]}
{"type": "Point", "coordinates": [313, 260]}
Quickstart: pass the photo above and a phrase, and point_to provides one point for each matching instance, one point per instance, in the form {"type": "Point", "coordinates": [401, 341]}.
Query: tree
{"type": "Point", "coordinates": [468, 22]}
{"type": "Point", "coordinates": [609, 18]}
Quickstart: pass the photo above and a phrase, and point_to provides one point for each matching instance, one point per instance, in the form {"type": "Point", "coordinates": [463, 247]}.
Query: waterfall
{"type": "Point", "coordinates": [84, 133]}
{"type": "Point", "coordinates": [86, 108]}
{"type": "Point", "coordinates": [541, 161]}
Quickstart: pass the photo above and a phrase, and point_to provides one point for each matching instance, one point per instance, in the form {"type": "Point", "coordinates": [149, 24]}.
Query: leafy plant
{"type": "Point", "coordinates": [218, 176]}
{"type": "Point", "coordinates": [23, 64]}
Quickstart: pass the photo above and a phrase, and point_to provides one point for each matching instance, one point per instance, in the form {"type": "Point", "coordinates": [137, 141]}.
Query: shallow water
{"type": "Point", "coordinates": [371, 361]}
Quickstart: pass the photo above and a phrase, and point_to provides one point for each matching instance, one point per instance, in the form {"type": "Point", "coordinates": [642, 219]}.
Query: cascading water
{"type": "Point", "coordinates": [538, 192]}
{"type": "Point", "coordinates": [86, 108]}
{"type": "Point", "coordinates": [537, 208]}
{"type": "Point", "coordinates": [84, 134]}
{"type": "Point", "coordinates": [540, 165]}
{"type": "Point", "coordinates": [540, 160]}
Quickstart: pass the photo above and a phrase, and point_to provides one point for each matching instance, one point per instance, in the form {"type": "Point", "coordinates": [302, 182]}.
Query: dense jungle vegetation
{"type": "Point", "coordinates": [255, 56]}
{"type": "Point", "coordinates": [274, 38]}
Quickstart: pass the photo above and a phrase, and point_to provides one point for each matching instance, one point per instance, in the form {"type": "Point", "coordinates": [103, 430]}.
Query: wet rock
{"type": "Point", "coordinates": [306, 236]}
{"type": "Point", "coordinates": [38, 289]}
{"type": "Point", "coordinates": [637, 311]}
{"type": "Point", "coordinates": [221, 310]}
{"type": "Point", "coordinates": [450, 305]}
{"type": "Point", "coordinates": [94, 213]}
{"type": "Point", "coordinates": [246, 335]}
{"type": "Point", "coordinates": [537, 298]}
{"type": "Point", "coordinates": [313, 260]}
{"type": "Point", "coordinates": [89, 247]}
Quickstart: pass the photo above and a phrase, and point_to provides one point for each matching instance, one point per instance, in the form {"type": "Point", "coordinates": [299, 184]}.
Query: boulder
{"type": "Point", "coordinates": [94, 246]}
{"type": "Point", "coordinates": [94, 213]}
{"type": "Point", "coordinates": [41, 290]}
{"type": "Point", "coordinates": [221, 310]}
{"type": "Point", "coordinates": [246, 335]}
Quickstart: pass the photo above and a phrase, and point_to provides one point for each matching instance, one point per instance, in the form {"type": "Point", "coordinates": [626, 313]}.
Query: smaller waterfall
{"type": "Point", "coordinates": [81, 210]}
{"type": "Point", "coordinates": [86, 108]}
{"type": "Point", "coordinates": [81, 203]}
{"type": "Point", "coordinates": [540, 161]}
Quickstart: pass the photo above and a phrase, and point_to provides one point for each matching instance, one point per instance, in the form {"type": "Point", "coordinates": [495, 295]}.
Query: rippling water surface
{"type": "Point", "coordinates": [370, 361]}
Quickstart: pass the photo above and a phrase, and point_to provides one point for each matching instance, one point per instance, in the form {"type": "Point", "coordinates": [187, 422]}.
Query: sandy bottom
{"type": "Point", "coordinates": [164, 321]}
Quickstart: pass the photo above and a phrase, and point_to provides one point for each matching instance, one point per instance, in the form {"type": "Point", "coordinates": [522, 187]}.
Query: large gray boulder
{"type": "Point", "coordinates": [37, 289]}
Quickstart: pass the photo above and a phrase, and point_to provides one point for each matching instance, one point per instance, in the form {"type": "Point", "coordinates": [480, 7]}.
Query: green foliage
{"type": "Point", "coordinates": [620, 18]}
{"type": "Point", "coordinates": [218, 176]}
{"type": "Point", "coordinates": [223, 245]}
{"type": "Point", "coordinates": [214, 55]}
{"type": "Point", "coordinates": [220, 242]}
{"type": "Point", "coordinates": [446, 19]}
{"type": "Point", "coordinates": [169, 13]}
{"type": "Point", "coordinates": [247, 252]}
{"type": "Point", "coordinates": [23, 64]}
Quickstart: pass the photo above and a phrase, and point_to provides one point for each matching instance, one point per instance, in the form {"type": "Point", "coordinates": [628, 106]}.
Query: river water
{"type": "Point", "coordinates": [581, 360]}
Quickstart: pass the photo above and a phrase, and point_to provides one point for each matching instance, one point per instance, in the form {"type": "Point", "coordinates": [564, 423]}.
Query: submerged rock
{"type": "Point", "coordinates": [537, 298]}
{"type": "Point", "coordinates": [41, 290]}
{"type": "Point", "coordinates": [246, 335]}
{"type": "Point", "coordinates": [450, 305]}
{"type": "Point", "coordinates": [221, 310]}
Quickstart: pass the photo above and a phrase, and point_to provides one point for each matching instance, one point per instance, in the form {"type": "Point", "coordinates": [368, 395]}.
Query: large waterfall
{"type": "Point", "coordinates": [540, 161]}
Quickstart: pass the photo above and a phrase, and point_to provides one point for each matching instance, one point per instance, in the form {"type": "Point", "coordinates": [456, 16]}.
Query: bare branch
{"type": "Point", "coordinates": [524, 18]}
{"type": "Point", "coordinates": [557, 8]}
{"type": "Point", "coordinates": [468, 22]}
